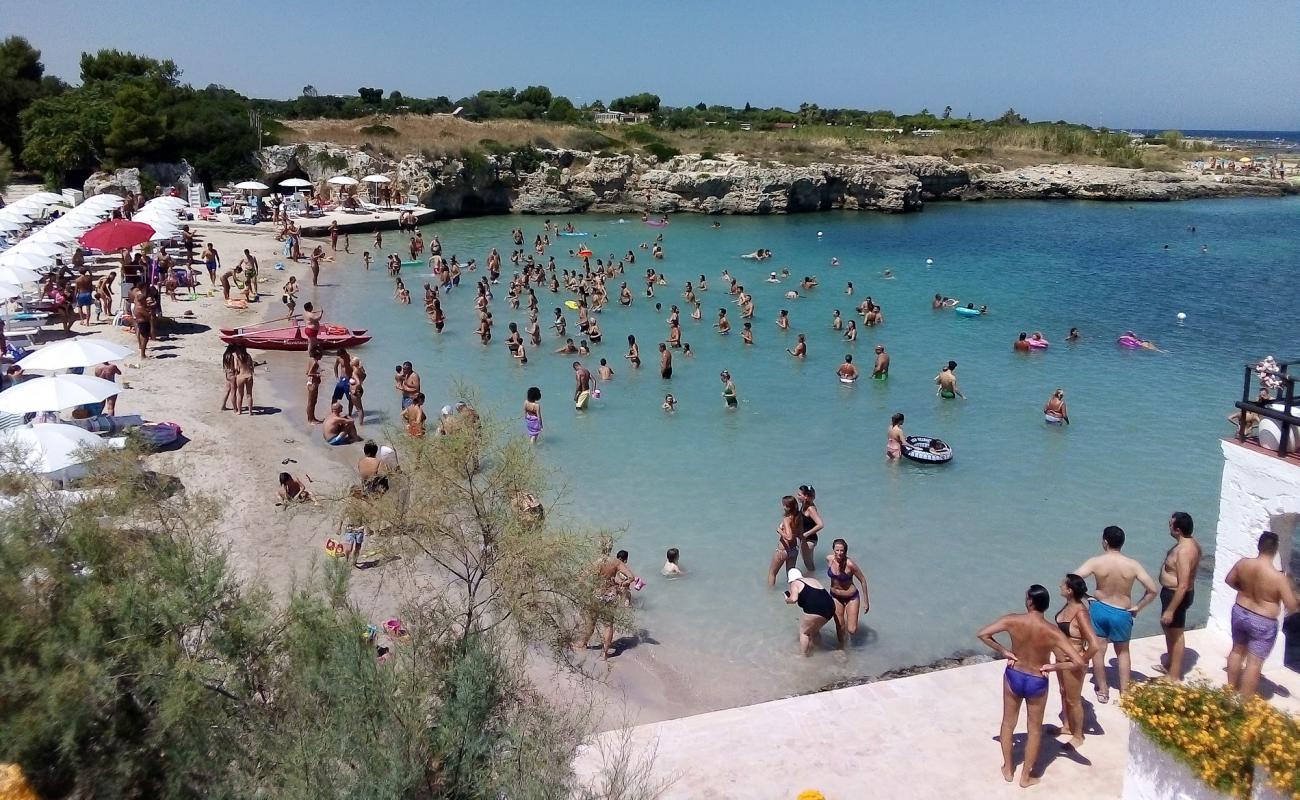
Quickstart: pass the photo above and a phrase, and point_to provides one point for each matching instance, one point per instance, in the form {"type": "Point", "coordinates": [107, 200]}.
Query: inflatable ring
{"type": "Point", "coordinates": [571, 304]}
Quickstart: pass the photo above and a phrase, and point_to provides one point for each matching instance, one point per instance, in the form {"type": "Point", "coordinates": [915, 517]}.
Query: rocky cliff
{"type": "Point", "coordinates": [567, 181]}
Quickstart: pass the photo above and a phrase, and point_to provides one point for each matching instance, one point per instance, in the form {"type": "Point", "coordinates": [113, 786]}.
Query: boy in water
{"type": "Point", "coordinates": [671, 567]}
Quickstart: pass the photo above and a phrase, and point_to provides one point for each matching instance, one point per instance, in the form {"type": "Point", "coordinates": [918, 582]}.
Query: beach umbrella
{"type": "Point", "coordinates": [251, 186]}
{"type": "Point", "coordinates": [103, 201]}
{"type": "Point", "coordinates": [14, 274]}
{"type": "Point", "coordinates": [9, 258]}
{"type": "Point", "coordinates": [8, 291]}
{"type": "Point", "coordinates": [23, 215]}
{"type": "Point", "coordinates": [59, 235]}
{"type": "Point", "coordinates": [295, 183]}
{"type": "Point", "coordinates": [83, 351]}
{"type": "Point", "coordinates": [39, 247]}
{"type": "Point", "coordinates": [117, 234]}
{"type": "Point", "coordinates": [343, 180]}
{"type": "Point", "coordinates": [46, 448]}
{"type": "Point", "coordinates": [49, 198]}
{"type": "Point", "coordinates": [376, 179]}
{"type": "Point", "coordinates": [56, 393]}
{"type": "Point", "coordinates": [162, 233]}
{"type": "Point", "coordinates": [10, 225]}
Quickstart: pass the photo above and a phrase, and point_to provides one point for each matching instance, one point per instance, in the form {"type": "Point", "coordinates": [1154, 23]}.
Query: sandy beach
{"type": "Point", "coordinates": [236, 459]}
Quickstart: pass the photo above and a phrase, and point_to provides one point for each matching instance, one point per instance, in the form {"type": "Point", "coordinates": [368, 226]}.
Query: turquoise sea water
{"type": "Point", "coordinates": [945, 548]}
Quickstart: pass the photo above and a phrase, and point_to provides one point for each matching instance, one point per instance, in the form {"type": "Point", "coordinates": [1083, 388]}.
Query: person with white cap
{"type": "Point", "coordinates": [814, 601]}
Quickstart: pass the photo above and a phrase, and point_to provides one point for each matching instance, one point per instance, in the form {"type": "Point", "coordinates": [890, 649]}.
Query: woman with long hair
{"type": "Point", "coordinates": [1076, 623]}
{"type": "Point", "coordinates": [788, 535]}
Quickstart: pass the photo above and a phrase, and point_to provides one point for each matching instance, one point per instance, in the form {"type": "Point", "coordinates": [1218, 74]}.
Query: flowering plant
{"type": "Point", "coordinates": [1220, 737]}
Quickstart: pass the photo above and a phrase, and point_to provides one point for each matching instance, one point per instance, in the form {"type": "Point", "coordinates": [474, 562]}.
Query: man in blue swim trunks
{"type": "Point", "coordinates": [1112, 609]}
{"type": "Point", "coordinates": [338, 429]}
{"type": "Point", "coordinates": [1034, 641]}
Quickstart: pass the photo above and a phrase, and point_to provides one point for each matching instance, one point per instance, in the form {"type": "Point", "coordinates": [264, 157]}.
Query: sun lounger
{"type": "Point", "coordinates": [106, 424]}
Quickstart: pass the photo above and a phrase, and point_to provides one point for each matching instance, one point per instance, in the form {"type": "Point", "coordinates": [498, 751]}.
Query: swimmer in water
{"type": "Point", "coordinates": [670, 403]}
{"type": "Point", "coordinates": [729, 390]}
{"type": "Point", "coordinates": [894, 438]}
{"type": "Point", "coordinates": [946, 381]}
{"type": "Point", "coordinates": [848, 288]}
{"type": "Point", "coordinates": [835, 262]}
{"type": "Point", "coordinates": [836, 322]}
{"type": "Point", "coordinates": [1055, 412]}
{"type": "Point", "coordinates": [671, 566]}
{"type": "Point", "coordinates": [747, 335]}
{"type": "Point", "coordinates": [889, 274]}
{"type": "Point", "coordinates": [847, 371]}
{"type": "Point", "coordinates": [1073, 335]}
{"type": "Point", "coordinates": [881, 370]}
{"type": "Point", "coordinates": [851, 335]}
{"type": "Point", "coordinates": [605, 372]}
{"type": "Point", "coordinates": [800, 348]}
{"type": "Point", "coordinates": [773, 279]}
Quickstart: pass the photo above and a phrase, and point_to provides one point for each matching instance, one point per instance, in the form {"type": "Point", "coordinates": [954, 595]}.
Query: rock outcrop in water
{"type": "Point", "coordinates": [567, 181]}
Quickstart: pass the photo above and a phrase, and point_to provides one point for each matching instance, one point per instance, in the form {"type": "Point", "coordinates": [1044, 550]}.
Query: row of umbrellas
{"type": "Point", "coordinates": [301, 183]}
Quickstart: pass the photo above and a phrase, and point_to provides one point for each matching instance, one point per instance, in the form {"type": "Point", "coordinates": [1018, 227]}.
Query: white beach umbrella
{"type": "Point", "coordinates": [70, 353]}
{"type": "Point", "coordinates": [56, 393]}
{"type": "Point", "coordinates": [18, 214]}
{"type": "Point", "coordinates": [102, 202]}
{"type": "Point", "coordinates": [251, 185]}
{"type": "Point", "coordinates": [14, 274]}
{"type": "Point", "coordinates": [45, 448]}
{"type": "Point", "coordinates": [8, 291]}
{"type": "Point", "coordinates": [29, 260]}
{"type": "Point", "coordinates": [168, 200]}
{"type": "Point", "coordinates": [376, 179]}
{"type": "Point", "coordinates": [343, 180]}
{"type": "Point", "coordinates": [39, 247]}
{"type": "Point", "coordinates": [162, 233]}
{"type": "Point", "coordinates": [48, 198]}
{"type": "Point", "coordinates": [57, 235]}
{"type": "Point", "coordinates": [295, 183]}
{"type": "Point", "coordinates": [11, 225]}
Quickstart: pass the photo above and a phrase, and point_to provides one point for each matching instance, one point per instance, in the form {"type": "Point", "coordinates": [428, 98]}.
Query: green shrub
{"type": "Point", "coordinates": [642, 134]}
{"type": "Point", "coordinates": [379, 130]}
{"type": "Point", "coordinates": [708, 155]}
{"type": "Point", "coordinates": [543, 142]}
{"type": "Point", "coordinates": [328, 161]}
{"type": "Point", "coordinates": [591, 140]}
{"type": "Point", "coordinates": [661, 151]}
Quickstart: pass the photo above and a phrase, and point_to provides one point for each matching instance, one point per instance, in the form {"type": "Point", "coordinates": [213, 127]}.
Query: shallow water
{"type": "Point", "coordinates": [945, 548]}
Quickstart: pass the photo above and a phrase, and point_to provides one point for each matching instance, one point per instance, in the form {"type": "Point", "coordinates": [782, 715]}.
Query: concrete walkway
{"type": "Point", "coordinates": [927, 736]}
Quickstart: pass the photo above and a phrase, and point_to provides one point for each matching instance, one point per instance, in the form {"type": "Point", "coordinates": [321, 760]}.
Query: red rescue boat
{"type": "Point", "coordinates": [292, 338]}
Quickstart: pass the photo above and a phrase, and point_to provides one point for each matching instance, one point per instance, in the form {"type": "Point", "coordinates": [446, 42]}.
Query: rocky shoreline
{"type": "Point", "coordinates": [568, 181]}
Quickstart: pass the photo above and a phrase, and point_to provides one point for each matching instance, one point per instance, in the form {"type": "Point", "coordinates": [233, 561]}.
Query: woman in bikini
{"type": "Point", "coordinates": [894, 439]}
{"type": "Point", "coordinates": [842, 571]}
{"type": "Point", "coordinates": [788, 535]}
{"type": "Point", "coordinates": [1076, 623]}
{"type": "Point", "coordinates": [633, 351]}
{"type": "Point", "coordinates": [243, 380]}
{"type": "Point", "coordinates": [313, 384]}
{"type": "Point", "coordinates": [812, 523]}
{"type": "Point", "coordinates": [228, 366]}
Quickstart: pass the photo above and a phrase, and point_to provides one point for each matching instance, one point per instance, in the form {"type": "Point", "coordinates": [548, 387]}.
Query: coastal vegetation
{"type": "Point", "coordinates": [131, 110]}
{"type": "Point", "coordinates": [1219, 735]}
{"type": "Point", "coordinates": [137, 664]}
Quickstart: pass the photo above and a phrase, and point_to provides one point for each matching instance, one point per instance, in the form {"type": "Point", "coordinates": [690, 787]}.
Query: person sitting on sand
{"type": "Point", "coordinates": [372, 470]}
{"type": "Point", "coordinates": [292, 490]}
{"type": "Point", "coordinates": [338, 428]}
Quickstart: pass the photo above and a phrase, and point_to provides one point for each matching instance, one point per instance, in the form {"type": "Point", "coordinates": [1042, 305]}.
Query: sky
{"type": "Point", "coordinates": [1135, 64]}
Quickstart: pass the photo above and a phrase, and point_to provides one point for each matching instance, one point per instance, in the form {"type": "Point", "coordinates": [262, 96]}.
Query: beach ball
{"type": "Point", "coordinates": [1181, 316]}
{"type": "Point", "coordinates": [929, 261]}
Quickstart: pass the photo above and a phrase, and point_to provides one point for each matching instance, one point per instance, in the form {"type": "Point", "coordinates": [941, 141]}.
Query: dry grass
{"type": "Point", "coordinates": [446, 135]}
{"type": "Point", "coordinates": [438, 135]}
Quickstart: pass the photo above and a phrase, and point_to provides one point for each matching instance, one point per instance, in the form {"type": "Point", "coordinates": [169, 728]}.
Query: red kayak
{"type": "Point", "coordinates": [331, 337]}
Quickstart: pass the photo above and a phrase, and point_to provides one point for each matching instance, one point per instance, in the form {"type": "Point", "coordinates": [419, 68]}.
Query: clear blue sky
{"type": "Point", "coordinates": [1139, 63]}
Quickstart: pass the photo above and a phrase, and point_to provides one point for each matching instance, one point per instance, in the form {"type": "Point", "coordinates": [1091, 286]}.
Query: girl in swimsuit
{"type": "Point", "coordinates": [812, 523]}
{"type": "Point", "coordinates": [313, 385]}
{"type": "Point", "coordinates": [229, 367]}
{"type": "Point", "coordinates": [533, 414]}
{"type": "Point", "coordinates": [633, 352]}
{"type": "Point", "coordinates": [243, 380]}
{"type": "Point", "coordinates": [788, 534]}
{"type": "Point", "coordinates": [842, 570]}
{"type": "Point", "coordinates": [894, 439]}
{"type": "Point", "coordinates": [814, 601]}
{"type": "Point", "coordinates": [1076, 623]}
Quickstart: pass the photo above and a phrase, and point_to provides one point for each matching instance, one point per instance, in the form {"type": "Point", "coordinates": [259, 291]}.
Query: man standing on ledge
{"type": "Point", "coordinates": [1262, 591]}
{"type": "Point", "coordinates": [1177, 581]}
{"type": "Point", "coordinates": [1112, 610]}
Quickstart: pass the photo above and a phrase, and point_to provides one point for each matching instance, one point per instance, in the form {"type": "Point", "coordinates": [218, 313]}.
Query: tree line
{"type": "Point", "coordinates": [131, 110]}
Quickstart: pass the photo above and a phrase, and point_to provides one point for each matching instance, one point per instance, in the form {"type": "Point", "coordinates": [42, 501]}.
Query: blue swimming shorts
{"type": "Point", "coordinates": [1115, 624]}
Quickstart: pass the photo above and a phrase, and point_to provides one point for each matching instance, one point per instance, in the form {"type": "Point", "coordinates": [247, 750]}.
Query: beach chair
{"type": "Point", "coordinates": [250, 217]}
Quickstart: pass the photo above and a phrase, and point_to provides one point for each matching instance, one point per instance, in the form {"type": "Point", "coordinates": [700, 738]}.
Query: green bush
{"type": "Point", "coordinates": [590, 140]}
{"type": "Point", "coordinates": [641, 134]}
{"type": "Point", "coordinates": [330, 162]}
{"type": "Point", "coordinates": [707, 155]}
{"type": "Point", "coordinates": [379, 130]}
{"type": "Point", "coordinates": [526, 159]}
{"type": "Point", "coordinates": [661, 151]}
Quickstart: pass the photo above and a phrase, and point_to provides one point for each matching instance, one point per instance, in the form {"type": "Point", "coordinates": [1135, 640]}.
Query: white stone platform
{"type": "Point", "coordinates": [927, 736]}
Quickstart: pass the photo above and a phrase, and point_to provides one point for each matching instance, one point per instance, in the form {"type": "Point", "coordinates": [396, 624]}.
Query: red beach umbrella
{"type": "Point", "coordinates": [117, 234]}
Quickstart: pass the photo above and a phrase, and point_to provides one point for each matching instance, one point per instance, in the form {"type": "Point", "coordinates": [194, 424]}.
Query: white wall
{"type": "Point", "coordinates": [1153, 774]}
{"type": "Point", "coordinates": [1258, 492]}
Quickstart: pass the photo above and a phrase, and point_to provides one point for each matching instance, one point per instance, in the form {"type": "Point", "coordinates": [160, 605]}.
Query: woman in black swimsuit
{"type": "Point", "coordinates": [814, 601]}
{"type": "Point", "coordinates": [842, 570]}
{"type": "Point", "coordinates": [1076, 623]}
{"type": "Point", "coordinates": [812, 523]}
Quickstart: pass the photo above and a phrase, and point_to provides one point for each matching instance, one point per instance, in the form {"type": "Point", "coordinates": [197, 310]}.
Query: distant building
{"type": "Point", "coordinates": [926, 132]}
{"type": "Point", "coordinates": [609, 117]}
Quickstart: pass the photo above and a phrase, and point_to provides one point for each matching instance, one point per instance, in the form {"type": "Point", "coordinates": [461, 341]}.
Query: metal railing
{"type": "Point", "coordinates": [1263, 405]}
